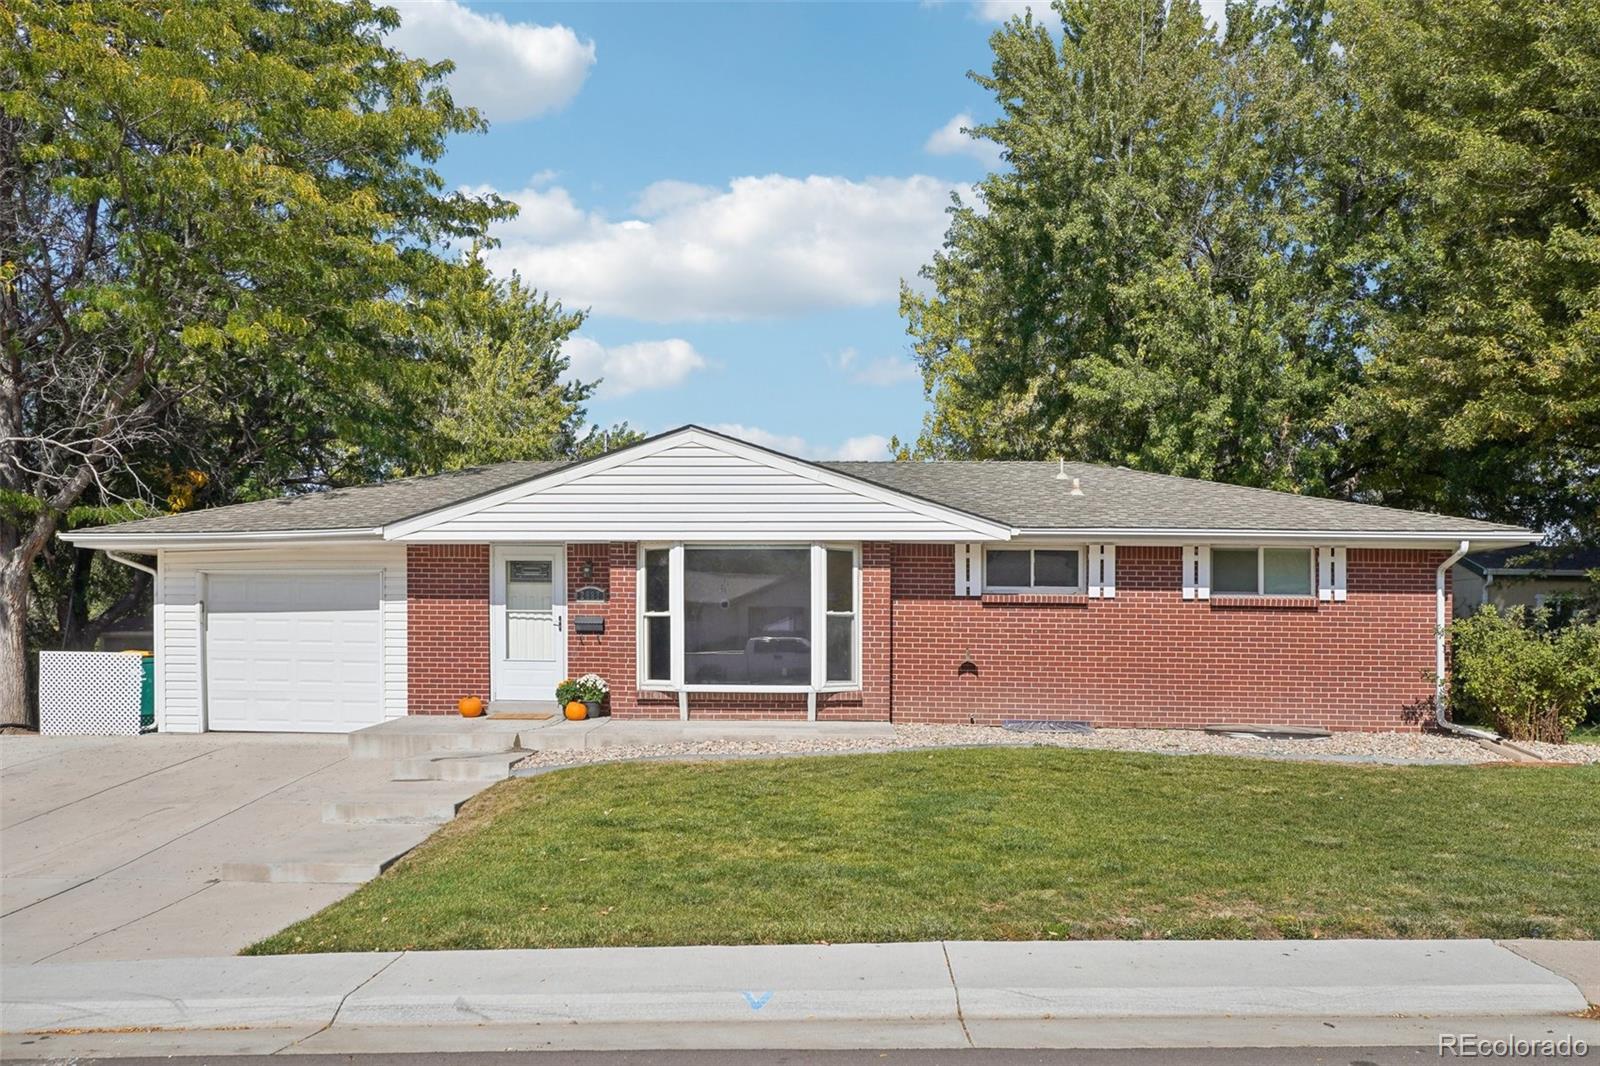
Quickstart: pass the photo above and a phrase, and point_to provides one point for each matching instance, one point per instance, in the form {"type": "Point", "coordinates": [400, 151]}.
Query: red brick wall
{"type": "Point", "coordinates": [1151, 658]}
{"type": "Point", "coordinates": [610, 654]}
{"type": "Point", "coordinates": [1145, 658]}
{"type": "Point", "coordinates": [447, 625]}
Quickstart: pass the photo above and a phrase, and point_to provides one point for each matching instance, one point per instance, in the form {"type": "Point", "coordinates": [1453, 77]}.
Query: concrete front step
{"type": "Point", "coordinates": [458, 766]}
{"type": "Point", "coordinates": [420, 811]}
{"type": "Point", "coordinates": [298, 872]}
{"type": "Point", "coordinates": [420, 734]}
{"type": "Point", "coordinates": [329, 854]}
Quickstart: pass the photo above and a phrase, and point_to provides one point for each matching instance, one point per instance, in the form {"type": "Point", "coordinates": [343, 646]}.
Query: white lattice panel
{"type": "Point", "coordinates": [89, 693]}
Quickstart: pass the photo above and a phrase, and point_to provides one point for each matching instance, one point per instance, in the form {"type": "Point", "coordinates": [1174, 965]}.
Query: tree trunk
{"type": "Point", "coordinates": [14, 704]}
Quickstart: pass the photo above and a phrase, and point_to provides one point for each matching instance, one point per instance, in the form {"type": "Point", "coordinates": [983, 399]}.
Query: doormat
{"type": "Point", "coordinates": [521, 716]}
{"type": "Point", "coordinates": [1049, 725]}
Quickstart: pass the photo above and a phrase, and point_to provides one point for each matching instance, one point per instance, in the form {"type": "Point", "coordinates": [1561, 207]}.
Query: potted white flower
{"type": "Point", "coordinates": [590, 690]}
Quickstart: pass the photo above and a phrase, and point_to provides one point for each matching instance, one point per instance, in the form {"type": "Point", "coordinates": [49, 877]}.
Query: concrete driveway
{"type": "Point", "coordinates": [114, 847]}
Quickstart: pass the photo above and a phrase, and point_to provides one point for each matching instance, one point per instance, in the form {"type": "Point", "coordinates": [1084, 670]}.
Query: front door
{"type": "Point", "coordinates": [527, 622]}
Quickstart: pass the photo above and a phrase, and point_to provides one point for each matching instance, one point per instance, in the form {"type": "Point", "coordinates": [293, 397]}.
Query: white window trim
{"type": "Point", "coordinates": [1080, 589]}
{"type": "Point", "coordinates": [642, 651]}
{"type": "Point", "coordinates": [1261, 571]}
{"type": "Point", "coordinates": [675, 610]}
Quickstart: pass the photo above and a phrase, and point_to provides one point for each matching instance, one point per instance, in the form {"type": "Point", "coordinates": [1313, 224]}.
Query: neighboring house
{"type": "Point", "coordinates": [1521, 577]}
{"type": "Point", "coordinates": [705, 577]}
{"type": "Point", "coordinates": [135, 633]}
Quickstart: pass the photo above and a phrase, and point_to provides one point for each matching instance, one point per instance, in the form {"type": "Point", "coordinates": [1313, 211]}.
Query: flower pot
{"type": "Point", "coordinates": [576, 711]}
{"type": "Point", "coordinates": [469, 706]}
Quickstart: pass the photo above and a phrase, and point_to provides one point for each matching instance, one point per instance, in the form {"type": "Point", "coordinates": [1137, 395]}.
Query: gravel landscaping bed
{"type": "Point", "coordinates": [1392, 748]}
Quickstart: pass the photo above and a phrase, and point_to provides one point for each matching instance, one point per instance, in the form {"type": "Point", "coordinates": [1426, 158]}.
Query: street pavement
{"type": "Point", "coordinates": [1242, 1056]}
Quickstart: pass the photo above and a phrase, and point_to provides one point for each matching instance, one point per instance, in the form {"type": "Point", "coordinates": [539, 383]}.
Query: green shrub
{"type": "Point", "coordinates": [1528, 683]}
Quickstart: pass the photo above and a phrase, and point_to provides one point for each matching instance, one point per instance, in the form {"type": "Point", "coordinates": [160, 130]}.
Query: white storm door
{"type": "Point", "coordinates": [527, 622]}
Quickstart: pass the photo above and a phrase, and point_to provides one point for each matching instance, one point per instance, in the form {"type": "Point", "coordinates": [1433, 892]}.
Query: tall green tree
{"type": "Point", "coordinates": [193, 195]}
{"type": "Point", "coordinates": [1352, 247]}
{"type": "Point", "coordinates": [514, 399]}
{"type": "Point", "coordinates": [1483, 393]}
{"type": "Point", "coordinates": [1154, 278]}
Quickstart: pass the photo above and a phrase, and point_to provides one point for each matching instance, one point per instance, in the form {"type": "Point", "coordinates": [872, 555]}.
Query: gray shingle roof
{"type": "Point", "coordinates": [360, 507]}
{"type": "Point", "coordinates": [1028, 495]}
{"type": "Point", "coordinates": [1025, 495]}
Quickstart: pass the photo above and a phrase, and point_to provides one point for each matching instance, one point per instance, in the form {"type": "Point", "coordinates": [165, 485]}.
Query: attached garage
{"type": "Point", "coordinates": [296, 652]}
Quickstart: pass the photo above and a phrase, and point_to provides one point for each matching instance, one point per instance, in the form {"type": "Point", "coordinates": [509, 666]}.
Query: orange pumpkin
{"type": "Point", "coordinates": [469, 706]}
{"type": "Point", "coordinates": [577, 711]}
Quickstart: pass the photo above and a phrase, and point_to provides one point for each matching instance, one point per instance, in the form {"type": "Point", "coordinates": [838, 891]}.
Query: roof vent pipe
{"type": "Point", "coordinates": [1061, 470]}
{"type": "Point", "coordinates": [1077, 488]}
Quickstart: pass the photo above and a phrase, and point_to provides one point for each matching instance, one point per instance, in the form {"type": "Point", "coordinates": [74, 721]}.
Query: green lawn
{"type": "Point", "coordinates": [989, 844]}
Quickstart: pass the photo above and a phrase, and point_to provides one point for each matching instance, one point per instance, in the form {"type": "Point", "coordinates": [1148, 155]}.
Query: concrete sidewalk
{"type": "Point", "coordinates": [952, 994]}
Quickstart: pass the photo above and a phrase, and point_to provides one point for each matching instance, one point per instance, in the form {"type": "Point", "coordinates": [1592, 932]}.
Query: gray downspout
{"type": "Point", "coordinates": [1438, 659]}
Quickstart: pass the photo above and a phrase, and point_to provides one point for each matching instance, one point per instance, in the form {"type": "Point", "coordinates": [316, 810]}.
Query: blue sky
{"type": "Point", "coordinates": [735, 190]}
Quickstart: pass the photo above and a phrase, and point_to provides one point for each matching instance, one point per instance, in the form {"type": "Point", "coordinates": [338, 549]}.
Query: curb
{"type": "Point", "coordinates": [932, 983]}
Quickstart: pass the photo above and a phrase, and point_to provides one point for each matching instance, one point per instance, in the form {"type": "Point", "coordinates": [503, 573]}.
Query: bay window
{"type": "Point", "coordinates": [1261, 571]}
{"type": "Point", "coordinates": [783, 616]}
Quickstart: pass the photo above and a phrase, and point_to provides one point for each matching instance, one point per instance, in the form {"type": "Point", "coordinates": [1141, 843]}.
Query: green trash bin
{"type": "Point", "coordinates": [147, 690]}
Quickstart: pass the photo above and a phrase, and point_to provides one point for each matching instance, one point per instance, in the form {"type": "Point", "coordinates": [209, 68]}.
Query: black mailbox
{"type": "Point", "coordinates": [589, 623]}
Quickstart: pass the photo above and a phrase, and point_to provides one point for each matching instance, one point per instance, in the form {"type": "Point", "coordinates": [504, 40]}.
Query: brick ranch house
{"type": "Point", "coordinates": [704, 577]}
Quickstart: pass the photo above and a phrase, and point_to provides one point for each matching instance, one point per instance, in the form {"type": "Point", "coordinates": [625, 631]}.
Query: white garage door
{"type": "Point", "coordinates": [293, 652]}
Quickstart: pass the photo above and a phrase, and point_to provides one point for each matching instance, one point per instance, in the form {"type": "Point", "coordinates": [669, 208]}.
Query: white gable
{"type": "Point", "coordinates": [694, 485]}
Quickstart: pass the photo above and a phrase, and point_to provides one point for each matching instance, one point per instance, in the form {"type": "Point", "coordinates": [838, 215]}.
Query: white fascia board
{"type": "Point", "coordinates": [820, 534]}
{"type": "Point", "coordinates": [147, 542]}
{"type": "Point", "coordinates": [974, 527]}
{"type": "Point", "coordinates": [1365, 538]}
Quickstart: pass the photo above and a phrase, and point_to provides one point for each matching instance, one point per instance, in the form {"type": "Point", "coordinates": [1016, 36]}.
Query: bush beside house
{"type": "Point", "coordinates": [1530, 683]}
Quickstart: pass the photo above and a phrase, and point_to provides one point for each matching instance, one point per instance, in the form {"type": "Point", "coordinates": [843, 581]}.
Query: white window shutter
{"type": "Point", "coordinates": [969, 569]}
{"type": "Point", "coordinates": [1196, 572]}
{"type": "Point", "coordinates": [1102, 571]}
{"type": "Point", "coordinates": [1331, 574]}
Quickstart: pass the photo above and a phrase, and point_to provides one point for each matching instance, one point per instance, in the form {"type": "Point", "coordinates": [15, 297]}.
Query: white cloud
{"type": "Point", "coordinates": [761, 247]}
{"type": "Point", "coordinates": [949, 140]}
{"type": "Point", "coordinates": [544, 213]}
{"type": "Point", "coordinates": [1005, 10]}
{"type": "Point", "coordinates": [882, 372]}
{"type": "Point", "coordinates": [507, 70]}
{"type": "Point", "coordinates": [629, 368]}
{"type": "Point", "coordinates": [661, 197]}
{"type": "Point", "coordinates": [1215, 11]}
{"type": "Point", "coordinates": [870, 446]}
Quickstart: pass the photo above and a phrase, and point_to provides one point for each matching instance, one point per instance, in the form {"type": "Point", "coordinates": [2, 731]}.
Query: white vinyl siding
{"type": "Point", "coordinates": [178, 637]}
{"type": "Point", "coordinates": [692, 491]}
